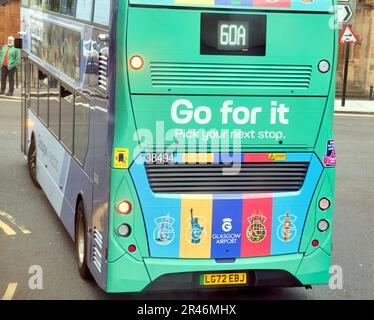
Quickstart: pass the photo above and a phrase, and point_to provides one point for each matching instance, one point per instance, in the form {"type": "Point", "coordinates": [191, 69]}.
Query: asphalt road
{"type": "Point", "coordinates": [36, 236]}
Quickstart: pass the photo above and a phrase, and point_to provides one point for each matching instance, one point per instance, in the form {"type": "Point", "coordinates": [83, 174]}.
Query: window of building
{"type": "Point", "coordinates": [34, 3]}
{"type": "Point", "coordinates": [33, 88]}
{"type": "Point", "coordinates": [82, 128]}
{"type": "Point", "coordinates": [102, 11]}
{"type": "Point", "coordinates": [25, 3]}
{"type": "Point", "coordinates": [44, 4]}
{"type": "Point", "coordinates": [43, 97]}
{"type": "Point", "coordinates": [67, 117]}
{"type": "Point", "coordinates": [84, 9]}
{"type": "Point", "coordinates": [54, 106]}
{"type": "Point", "coordinates": [68, 7]}
{"type": "Point", "coordinates": [54, 5]}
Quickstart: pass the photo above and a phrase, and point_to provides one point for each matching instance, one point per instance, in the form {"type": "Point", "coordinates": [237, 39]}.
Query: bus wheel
{"type": "Point", "coordinates": [31, 162]}
{"type": "Point", "coordinates": [81, 242]}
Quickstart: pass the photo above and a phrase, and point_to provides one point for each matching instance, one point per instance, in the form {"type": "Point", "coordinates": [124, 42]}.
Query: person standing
{"type": "Point", "coordinates": [10, 57]}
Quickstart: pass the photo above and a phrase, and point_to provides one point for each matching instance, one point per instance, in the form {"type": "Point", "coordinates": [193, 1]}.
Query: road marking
{"type": "Point", "coordinates": [12, 220]}
{"type": "Point", "coordinates": [10, 291]}
{"type": "Point", "coordinates": [8, 230]}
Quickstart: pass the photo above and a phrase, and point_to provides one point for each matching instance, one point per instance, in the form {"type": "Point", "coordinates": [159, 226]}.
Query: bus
{"type": "Point", "coordinates": [185, 144]}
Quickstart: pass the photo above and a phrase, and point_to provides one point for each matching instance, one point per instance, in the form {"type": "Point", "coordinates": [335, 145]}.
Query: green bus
{"type": "Point", "coordinates": [185, 144]}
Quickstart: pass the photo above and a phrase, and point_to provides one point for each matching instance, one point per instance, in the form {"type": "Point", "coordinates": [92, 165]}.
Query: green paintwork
{"type": "Point", "coordinates": [173, 36]}
{"type": "Point", "coordinates": [157, 108]}
{"type": "Point", "coordinates": [158, 39]}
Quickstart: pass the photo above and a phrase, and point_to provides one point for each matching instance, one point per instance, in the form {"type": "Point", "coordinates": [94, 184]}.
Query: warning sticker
{"type": "Point", "coordinates": [330, 156]}
{"type": "Point", "coordinates": [121, 158]}
{"type": "Point", "coordinates": [277, 156]}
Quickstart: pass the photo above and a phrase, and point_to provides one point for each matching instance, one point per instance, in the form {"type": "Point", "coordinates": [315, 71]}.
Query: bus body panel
{"type": "Point", "coordinates": [149, 103]}
{"type": "Point", "coordinates": [310, 267]}
{"type": "Point", "coordinates": [313, 269]}
{"type": "Point", "coordinates": [259, 126]}
{"type": "Point", "coordinates": [289, 67]}
{"type": "Point", "coordinates": [62, 178]}
{"type": "Point", "coordinates": [169, 214]}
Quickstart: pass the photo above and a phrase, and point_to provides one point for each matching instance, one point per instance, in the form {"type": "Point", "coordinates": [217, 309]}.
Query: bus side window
{"type": "Point", "coordinates": [81, 128]}
{"type": "Point", "coordinates": [68, 7]}
{"type": "Point", "coordinates": [33, 88]}
{"type": "Point", "coordinates": [67, 117]}
{"type": "Point", "coordinates": [102, 11]}
{"type": "Point", "coordinates": [43, 97]}
{"type": "Point", "coordinates": [54, 106]}
{"type": "Point", "coordinates": [84, 9]}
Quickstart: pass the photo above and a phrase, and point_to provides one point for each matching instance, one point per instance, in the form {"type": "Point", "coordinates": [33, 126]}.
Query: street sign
{"type": "Point", "coordinates": [346, 12]}
{"type": "Point", "coordinates": [348, 36]}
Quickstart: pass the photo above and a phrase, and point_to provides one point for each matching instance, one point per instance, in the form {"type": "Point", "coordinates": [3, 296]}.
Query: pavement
{"type": "Point", "coordinates": [35, 238]}
{"type": "Point", "coordinates": [355, 106]}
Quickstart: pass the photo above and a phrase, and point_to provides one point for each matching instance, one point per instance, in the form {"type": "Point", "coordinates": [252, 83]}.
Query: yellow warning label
{"type": "Point", "coordinates": [277, 156]}
{"type": "Point", "coordinates": [121, 158]}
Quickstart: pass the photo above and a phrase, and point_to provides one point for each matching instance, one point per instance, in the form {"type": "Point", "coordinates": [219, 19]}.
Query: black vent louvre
{"type": "Point", "coordinates": [103, 73]}
{"type": "Point", "coordinates": [222, 178]}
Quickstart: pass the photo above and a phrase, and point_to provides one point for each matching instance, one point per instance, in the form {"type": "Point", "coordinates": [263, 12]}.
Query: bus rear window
{"type": "Point", "coordinates": [233, 34]}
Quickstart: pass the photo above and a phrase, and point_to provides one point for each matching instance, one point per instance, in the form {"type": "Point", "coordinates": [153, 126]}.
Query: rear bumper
{"type": "Point", "coordinates": [130, 275]}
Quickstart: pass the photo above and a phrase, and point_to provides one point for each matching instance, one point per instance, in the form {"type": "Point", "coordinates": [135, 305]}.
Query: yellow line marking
{"type": "Point", "coordinates": [12, 220]}
{"type": "Point", "coordinates": [8, 230]}
{"type": "Point", "coordinates": [10, 291]}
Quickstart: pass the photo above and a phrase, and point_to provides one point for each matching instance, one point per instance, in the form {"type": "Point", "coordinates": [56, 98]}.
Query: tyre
{"type": "Point", "coordinates": [81, 242]}
{"type": "Point", "coordinates": [31, 162]}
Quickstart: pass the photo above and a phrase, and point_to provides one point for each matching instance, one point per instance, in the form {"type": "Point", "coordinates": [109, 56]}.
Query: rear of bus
{"type": "Point", "coordinates": [223, 157]}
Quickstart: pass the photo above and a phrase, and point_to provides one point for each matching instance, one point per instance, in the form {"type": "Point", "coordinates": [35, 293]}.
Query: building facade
{"type": "Point", "coordinates": [361, 61]}
{"type": "Point", "coordinates": [9, 20]}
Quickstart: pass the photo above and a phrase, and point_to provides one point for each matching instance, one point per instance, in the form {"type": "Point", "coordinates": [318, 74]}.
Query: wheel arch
{"type": "Point", "coordinates": [79, 199]}
{"type": "Point", "coordinates": [32, 138]}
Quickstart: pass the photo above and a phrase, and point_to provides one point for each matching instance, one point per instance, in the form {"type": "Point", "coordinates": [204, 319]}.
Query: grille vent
{"type": "Point", "coordinates": [103, 72]}
{"type": "Point", "coordinates": [223, 178]}
{"type": "Point", "coordinates": [97, 249]}
{"type": "Point", "coordinates": [230, 75]}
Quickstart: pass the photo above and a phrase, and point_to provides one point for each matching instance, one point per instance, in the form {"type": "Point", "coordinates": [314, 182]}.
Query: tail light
{"type": "Point", "coordinates": [136, 62]}
{"type": "Point", "coordinates": [124, 207]}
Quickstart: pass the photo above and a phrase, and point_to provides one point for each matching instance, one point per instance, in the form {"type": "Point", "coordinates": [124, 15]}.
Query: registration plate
{"type": "Point", "coordinates": [219, 279]}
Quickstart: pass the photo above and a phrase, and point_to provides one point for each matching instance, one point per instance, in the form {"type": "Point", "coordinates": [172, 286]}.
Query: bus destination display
{"type": "Point", "coordinates": [233, 34]}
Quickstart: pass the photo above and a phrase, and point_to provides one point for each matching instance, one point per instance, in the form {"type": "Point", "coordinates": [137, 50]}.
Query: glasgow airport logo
{"type": "Point", "coordinates": [226, 224]}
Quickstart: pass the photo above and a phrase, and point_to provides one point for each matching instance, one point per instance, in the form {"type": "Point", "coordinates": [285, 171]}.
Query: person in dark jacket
{"type": "Point", "coordinates": [10, 57]}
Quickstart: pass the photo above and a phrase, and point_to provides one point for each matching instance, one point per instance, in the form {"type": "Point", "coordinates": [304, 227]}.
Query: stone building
{"type": "Point", "coordinates": [9, 20]}
{"type": "Point", "coordinates": [361, 62]}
